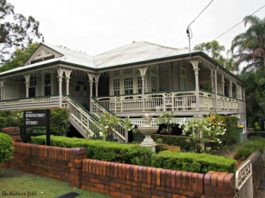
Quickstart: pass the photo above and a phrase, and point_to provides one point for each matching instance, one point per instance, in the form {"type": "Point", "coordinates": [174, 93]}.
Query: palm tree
{"type": "Point", "coordinates": [250, 46]}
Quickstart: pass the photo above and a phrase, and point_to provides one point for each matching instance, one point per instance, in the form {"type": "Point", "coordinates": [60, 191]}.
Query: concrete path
{"type": "Point", "coordinates": [261, 189]}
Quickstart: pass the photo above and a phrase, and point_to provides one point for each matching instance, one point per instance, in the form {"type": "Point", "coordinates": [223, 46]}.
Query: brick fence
{"type": "Point", "coordinates": [117, 179]}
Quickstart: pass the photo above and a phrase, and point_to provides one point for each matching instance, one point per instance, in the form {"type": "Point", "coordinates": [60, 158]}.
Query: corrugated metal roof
{"type": "Point", "coordinates": [71, 56]}
{"type": "Point", "coordinates": [127, 54]}
{"type": "Point", "coordinates": [135, 52]}
{"type": "Point", "coordinates": [26, 67]}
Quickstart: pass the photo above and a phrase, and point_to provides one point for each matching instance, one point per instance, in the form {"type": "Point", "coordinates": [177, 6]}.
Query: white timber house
{"type": "Point", "coordinates": [128, 81]}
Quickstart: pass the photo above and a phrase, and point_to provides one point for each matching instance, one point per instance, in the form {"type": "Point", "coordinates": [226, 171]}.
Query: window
{"type": "Point", "coordinates": [116, 87]}
{"type": "Point", "coordinates": [128, 86]}
{"type": "Point", "coordinates": [32, 86]}
{"type": "Point", "coordinates": [183, 79]}
{"type": "Point", "coordinates": [47, 85]}
{"type": "Point", "coordinates": [140, 85]}
{"type": "Point", "coordinates": [154, 84]}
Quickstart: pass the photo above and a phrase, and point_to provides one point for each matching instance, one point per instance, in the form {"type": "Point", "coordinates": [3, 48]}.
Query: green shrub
{"type": "Point", "coordinates": [59, 121]}
{"type": "Point", "coordinates": [194, 162]}
{"type": "Point", "coordinates": [210, 128]}
{"type": "Point", "coordinates": [6, 148]}
{"type": "Point", "coordinates": [183, 142]}
{"type": "Point", "coordinates": [231, 126]}
{"type": "Point", "coordinates": [11, 119]}
{"type": "Point", "coordinates": [103, 150]}
{"type": "Point", "coordinates": [137, 136]}
{"type": "Point", "coordinates": [245, 150]}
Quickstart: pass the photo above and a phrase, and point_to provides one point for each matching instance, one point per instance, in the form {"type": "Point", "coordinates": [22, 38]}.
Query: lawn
{"type": "Point", "coordinates": [20, 184]}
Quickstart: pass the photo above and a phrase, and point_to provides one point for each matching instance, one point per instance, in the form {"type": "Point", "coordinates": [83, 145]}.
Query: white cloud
{"type": "Point", "coordinates": [95, 26]}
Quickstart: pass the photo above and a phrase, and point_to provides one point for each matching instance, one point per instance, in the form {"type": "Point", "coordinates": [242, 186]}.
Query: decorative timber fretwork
{"type": "Point", "coordinates": [41, 54]}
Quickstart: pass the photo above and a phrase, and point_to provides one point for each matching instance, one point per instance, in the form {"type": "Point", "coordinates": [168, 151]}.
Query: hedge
{"type": "Point", "coordinates": [194, 162]}
{"type": "Point", "coordinates": [182, 141]}
{"type": "Point", "coordinates": [6, 148]}
{"type": "Point", "coordinates": [103, 150]}
{"type": "Point", "coordinates": [134, 154]}
{"type": "Point", "coordinates": [245, 149]}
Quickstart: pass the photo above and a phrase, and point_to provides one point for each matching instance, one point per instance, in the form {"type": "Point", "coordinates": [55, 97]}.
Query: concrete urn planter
{"type": "Point", "coordinates": [147, 130]}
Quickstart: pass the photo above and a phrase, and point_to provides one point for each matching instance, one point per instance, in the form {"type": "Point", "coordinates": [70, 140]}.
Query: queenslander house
{"type": "Point", "coordinates": [128, 82]}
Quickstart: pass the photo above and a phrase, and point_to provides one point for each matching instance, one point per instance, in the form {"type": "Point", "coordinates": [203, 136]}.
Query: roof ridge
{"type": "Point", "coordinates": [114, 49]}
{"type": "Point", "coordinates": [66, 48]}
{"type": "Point", "coordinates": [167, 47]}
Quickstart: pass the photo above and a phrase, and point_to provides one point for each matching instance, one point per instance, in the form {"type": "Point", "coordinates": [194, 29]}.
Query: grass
{"type": "Point", "coordinates": [20, 184]}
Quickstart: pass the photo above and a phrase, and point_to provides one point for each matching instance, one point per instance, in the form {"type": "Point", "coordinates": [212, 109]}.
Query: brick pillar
{"type": "Point", "coordinates": [219, 184]}
{"type": "Point", "coordinates": [75, 165]}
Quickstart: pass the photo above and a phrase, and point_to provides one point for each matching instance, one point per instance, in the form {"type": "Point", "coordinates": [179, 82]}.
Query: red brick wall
{"type": "Point", "coordinates": [48, 161]}
{"type": "Point", "coordinates": [14, 132]}
{"type": "Point", "coordinates": [119, 180]}
{"type": "Point", "coordinates": [122, 180]}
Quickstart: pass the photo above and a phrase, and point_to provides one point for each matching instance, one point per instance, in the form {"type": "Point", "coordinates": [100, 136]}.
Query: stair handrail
{"type": "Point", "coordinates": [120, 129]}
{"type": "Point", "coordinates": [85, 113]}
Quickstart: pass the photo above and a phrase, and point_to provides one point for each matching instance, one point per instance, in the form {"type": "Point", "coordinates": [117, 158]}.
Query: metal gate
{"type": "Point", "coordinates": [244, 181]}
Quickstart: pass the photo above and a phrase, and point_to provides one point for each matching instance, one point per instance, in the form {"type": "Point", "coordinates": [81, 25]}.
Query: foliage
{"type": "Point", "coordinates": [137, 136]}
{"type": "Point", "coordinates": [211, 128]}
{"type": "Point", "coordinates": [127, 124]}
{"type": "Point", "coordinates": [214, 50]}
{"type": "Point", "coordinates": [19, 57]}
{"type": "Point", "coordinates": [6, 148]}
{"type": "Point", "coordinates": [193, 162]}
{"type": "Point", "coordinates": [244, 150]}
{"type": "Point", "coordinates": [107, 123]}
{"type": "Point", "coordinates": [167, 125]}
{"type": "Point", "coordinates": [165, 118]}
{"type": "Point", "coordinates": [183, 142]}
{"type": "Point", "coordinates": [59, 121]}
{"type": "Point", "coordinates": [231, 125]}
{"type": "Point", "coordinates": [134, 154]}
{"type": "Point", "coordinates": [249, 46]}
{"type": "Point", "coordinates": [103, 150]}
{"type": "Point", "coordinates": [11, 119]}
{"type": "Point", "coordinates": [255, 95]}
{"type": "Point", "coordinates": [16, 31]}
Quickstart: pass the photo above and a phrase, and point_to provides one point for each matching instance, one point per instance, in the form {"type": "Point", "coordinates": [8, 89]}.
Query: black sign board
{"type": "Point", "coordinates": [37, 122]}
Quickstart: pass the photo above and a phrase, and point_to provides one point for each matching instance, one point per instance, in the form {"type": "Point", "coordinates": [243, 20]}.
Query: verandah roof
{"type": "Point", "coordinates": [133, 53]}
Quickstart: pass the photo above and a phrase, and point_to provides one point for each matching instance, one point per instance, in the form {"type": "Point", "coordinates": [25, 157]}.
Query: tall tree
{"type": "Point", "coordinates": [255, 95]}
{"type": "Point", "coordinates": [249, 46]}
{"type": "Point", "coordinates": [19, 57]}
{"type": "Point", "coordinates": [16, 30]}
{"type": "Point", "coordinates": [214, 50]}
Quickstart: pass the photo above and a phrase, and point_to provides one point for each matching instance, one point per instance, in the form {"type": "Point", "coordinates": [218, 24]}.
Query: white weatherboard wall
{"type": "Point", "coordinates": [14, 89]}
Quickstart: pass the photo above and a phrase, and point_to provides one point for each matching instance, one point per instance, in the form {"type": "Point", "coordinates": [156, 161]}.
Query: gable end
{"type": "Point", "coordinates": [43, 53]}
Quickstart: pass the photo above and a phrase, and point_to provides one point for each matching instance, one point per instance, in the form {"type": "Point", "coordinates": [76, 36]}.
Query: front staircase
{"type": "Point", "coordinates": [87, 123]}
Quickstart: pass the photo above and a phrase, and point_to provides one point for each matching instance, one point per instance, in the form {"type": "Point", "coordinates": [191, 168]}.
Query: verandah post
{"type": "Point", "coordinates": [27, 81]}
{"type": "Point", "coordinates": [67, 79]}
{"type": "Point", "coordinates": [91, 79]}
{"type": "Point", "coordinates": [195, 65]}
{"type": "Point", "coordinates": [143, 73]}
{"type": "Point", "coordinates": [2, 89]}
{"type": "Point", "coordinates": [60, 81]}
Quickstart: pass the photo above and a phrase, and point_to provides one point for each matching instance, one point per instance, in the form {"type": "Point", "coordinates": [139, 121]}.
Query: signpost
{"type": "Point", "coordinates": [37, 122]}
